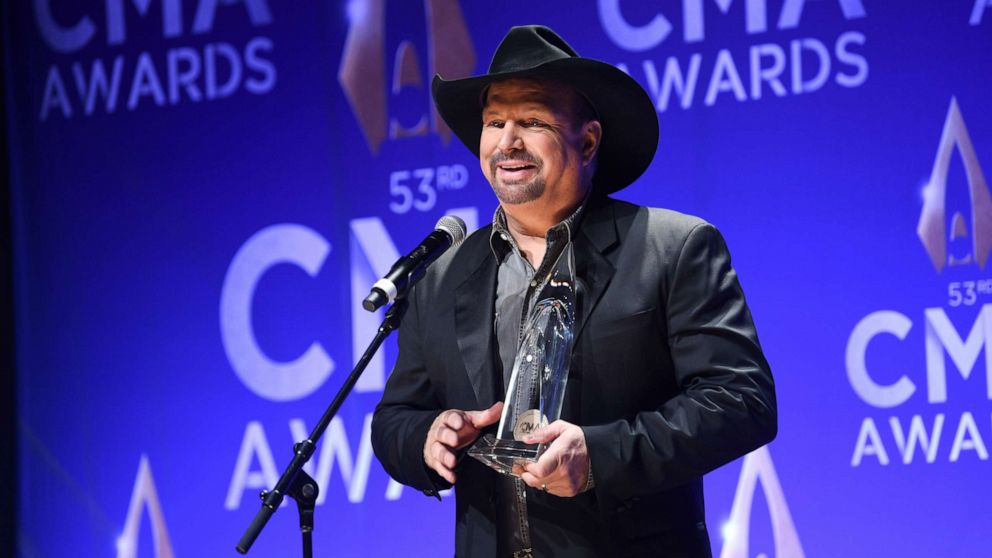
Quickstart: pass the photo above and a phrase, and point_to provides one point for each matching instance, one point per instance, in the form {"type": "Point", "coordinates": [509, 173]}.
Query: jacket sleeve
{"type": "Point", "coordinates": [725, 406]}
{"type": "Point", "coordinates": [408, 407]}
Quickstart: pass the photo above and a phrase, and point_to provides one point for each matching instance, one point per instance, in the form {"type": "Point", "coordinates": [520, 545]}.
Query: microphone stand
{"type": "Point", "coordinates": [295, 482]}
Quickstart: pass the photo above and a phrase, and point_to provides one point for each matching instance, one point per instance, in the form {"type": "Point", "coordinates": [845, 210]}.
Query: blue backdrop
{"type": "Point", "coordinates": [202, 192]}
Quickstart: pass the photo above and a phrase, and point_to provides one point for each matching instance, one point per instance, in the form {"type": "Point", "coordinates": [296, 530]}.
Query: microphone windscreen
{"type": "Point", "coordinates": [454, 226]}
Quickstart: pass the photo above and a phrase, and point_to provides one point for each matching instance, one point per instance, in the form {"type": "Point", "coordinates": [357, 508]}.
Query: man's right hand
{"type": "Point", "coordinates": [451, 431]}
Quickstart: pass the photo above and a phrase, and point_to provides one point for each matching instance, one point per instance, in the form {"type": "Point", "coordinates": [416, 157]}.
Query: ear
{"type": "Point", "coordinates": [592, 134]}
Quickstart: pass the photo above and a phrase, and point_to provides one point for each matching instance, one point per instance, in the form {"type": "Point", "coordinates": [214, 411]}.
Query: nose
{"type": "Point", "coordinates": [509, 139]}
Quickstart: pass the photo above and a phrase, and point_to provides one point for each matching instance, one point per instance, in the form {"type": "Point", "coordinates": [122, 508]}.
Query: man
{"type": "Point", "coordinates": [667, 380]}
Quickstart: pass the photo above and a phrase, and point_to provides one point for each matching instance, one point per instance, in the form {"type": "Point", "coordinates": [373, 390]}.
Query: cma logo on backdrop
{"type": "Point", "coordinates": [738, 73]}
{"type": "Point", "coordinates": [363, 70]}
{"type": "Point", "coordinates": [968, 300]}
{"type": "Point", "coordinates": [385, 110]}
{"type": "Point", "coordinates": [758, 470]}
{"type": "Point", "coordinates": [83, 84]}
{"type": "Point", "coordinates": [976, 228]}
{"type": "Point", "coordinates": [372, 252]}
{"type": "Point", "coordinates": [144, 497]}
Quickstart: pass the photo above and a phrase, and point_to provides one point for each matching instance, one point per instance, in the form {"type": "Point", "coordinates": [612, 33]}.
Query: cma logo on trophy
{"type": "Point", "coordinates": [973, 231]}
{"type": "Point", "coordinates": [363, 71]}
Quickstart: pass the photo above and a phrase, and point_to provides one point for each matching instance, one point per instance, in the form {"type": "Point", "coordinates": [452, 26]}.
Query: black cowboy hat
{"type": "Point", "coordinates": [628, 117]}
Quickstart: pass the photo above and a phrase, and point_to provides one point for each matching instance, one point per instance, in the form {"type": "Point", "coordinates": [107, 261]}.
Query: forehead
{"type": "Point", "coordinates": [512, 92]}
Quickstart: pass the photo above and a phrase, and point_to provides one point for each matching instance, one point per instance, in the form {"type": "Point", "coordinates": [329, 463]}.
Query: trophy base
{"type": "Point", "coordinates": [505, 455]}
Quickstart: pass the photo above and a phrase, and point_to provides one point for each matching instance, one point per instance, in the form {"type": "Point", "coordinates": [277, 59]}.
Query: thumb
{"type": "Point", "coordinates": [482, 419]}
{"type": "Point", "coordinates": [546, 434]}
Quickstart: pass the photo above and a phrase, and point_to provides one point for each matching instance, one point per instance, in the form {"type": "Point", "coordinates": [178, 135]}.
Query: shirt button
{"type": "Point", "coordinates": [503, 236]}
{"type": "Point", "coordinates": [533, 283]}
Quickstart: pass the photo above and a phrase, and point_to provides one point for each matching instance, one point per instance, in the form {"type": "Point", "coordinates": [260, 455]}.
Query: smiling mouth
{"type": "Point", "coordinates": [513, 168]}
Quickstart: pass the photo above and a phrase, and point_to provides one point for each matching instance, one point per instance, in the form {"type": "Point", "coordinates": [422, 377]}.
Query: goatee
{"type": "Point", "coordinates": [516, 192]}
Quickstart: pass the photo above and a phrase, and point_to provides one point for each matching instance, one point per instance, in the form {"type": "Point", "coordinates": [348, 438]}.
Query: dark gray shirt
{"type": "Point", "coordinates": [517, 281]}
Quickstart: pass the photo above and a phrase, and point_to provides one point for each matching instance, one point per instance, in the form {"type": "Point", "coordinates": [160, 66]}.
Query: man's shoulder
{"type": "Point", "coordinates": [669, 224]}
{"type": "Point", "coordinates": [458, 263]}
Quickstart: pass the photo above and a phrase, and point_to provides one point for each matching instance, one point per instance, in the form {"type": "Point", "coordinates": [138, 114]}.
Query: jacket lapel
{"type": "Point", "coordinates": [474, 298]}
{"type": "Point", "coordinates": [475, 294]}
{"type": "Point", "coordinates": [597, 234]}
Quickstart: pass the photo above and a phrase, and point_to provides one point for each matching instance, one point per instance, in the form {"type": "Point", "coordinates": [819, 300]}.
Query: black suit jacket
{"type": "Point", "coordinates": [667, 381]}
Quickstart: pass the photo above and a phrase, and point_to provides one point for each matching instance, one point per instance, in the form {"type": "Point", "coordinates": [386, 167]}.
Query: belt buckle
{"type": "Point", "coordinates": [525, 553]}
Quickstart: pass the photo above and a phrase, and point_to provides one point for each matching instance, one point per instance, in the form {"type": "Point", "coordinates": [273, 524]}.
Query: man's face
{"type": "Point", "coordinates": [531, 147]}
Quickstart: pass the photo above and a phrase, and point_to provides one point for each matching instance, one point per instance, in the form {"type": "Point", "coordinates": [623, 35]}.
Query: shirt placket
{"type": "Point", "coordinates": [557, 238]}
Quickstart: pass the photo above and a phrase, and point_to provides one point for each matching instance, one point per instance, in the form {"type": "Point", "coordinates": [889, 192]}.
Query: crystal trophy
{"type": "Point", "coordinates": [540, 372]}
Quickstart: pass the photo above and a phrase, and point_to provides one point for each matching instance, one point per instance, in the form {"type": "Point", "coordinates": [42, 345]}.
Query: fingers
{"type": "Point", "coordinates": [557, 483]}
{"type": "Point", "coordinates": [482, 419]}
{"type": "Point", "coordinates": [438, 454]}
{"type": "Point", "coordinates": [546, 465]}
{"type": "Point", "coordinates": [544, 472]}
{"type": "Point", "coordinates": [547, 434]}
{"type": "Point", "coordinates": [534, 481]}
{"type": "Point", "coordinates": [443, 455]}
{"type": "Point", "coordinates": [443, 461]}
{"type": "Point", "coordinates": [564, 467]}
{"type": "Point", "coordinates": [451, 431]}
{"type": "Point", "coordinates": [449, 427]}
{"type": "Point", "coordinates": [453, 419]}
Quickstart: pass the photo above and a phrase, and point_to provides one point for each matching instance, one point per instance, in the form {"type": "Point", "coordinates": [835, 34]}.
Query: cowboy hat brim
{"type": "Point", "coordinates": [626, 113]}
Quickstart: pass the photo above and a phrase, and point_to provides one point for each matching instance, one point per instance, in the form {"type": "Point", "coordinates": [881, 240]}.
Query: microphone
{"type": "Point", "coordinates": [449, 231]}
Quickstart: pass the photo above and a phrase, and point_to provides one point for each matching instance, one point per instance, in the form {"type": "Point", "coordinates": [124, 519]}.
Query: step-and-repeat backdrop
{"type": "Point", "coordinates": [203, 191]}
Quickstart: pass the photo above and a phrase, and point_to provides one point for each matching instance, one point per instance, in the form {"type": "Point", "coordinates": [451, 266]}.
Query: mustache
{"type": "Point", "coordinates": [520, 156]}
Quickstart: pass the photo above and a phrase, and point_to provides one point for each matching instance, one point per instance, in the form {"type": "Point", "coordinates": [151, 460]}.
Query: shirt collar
{"type": "Point", "coordinates": [502, 241]}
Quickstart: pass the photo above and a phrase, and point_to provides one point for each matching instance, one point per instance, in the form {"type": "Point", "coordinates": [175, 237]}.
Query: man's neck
{"type": "Point", "coordinates": [530, 238]}
{"type": "Point", "coordinates": [529, 224]}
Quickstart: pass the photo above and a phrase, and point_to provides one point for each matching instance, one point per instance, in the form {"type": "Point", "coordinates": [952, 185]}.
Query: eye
{"type": "Point", "coordinates": [534, 123]}
{"type": "Point", "coordinates": [494, 123]}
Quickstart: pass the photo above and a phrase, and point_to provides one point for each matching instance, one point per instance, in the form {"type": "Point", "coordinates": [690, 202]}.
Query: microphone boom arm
{"type": "Point", "coordinates": [295, 482]}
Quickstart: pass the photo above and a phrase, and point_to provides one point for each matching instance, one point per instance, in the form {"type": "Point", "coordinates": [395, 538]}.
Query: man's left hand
{"type": "Point", "coordinates": [563, 469]}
